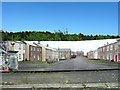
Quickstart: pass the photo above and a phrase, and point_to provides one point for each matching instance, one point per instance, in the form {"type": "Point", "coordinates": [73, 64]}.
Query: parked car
{"type": "Point", "coordinates": [62, 58]}
{"type": "Point", "coordinates": [52, 60]}
{"type": "Point", "coordinates": [73, 56]}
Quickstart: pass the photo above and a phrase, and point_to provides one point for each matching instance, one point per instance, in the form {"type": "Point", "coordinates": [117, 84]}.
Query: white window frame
{"type": "Point", "coordinates": [107, 48]}
{"type": "Point", "coordinates": [34, 48]}
{"type": "Point", "coordinates": [38, 57]}
{"type": "Point", "coordinates": [38, 49]}
{"type": "Point", "coordinates": [34, 56]}
{"type": "Point", "coordinates": [23, 46]}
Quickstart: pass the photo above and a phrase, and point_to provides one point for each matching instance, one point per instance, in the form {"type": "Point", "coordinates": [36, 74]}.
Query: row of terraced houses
{"type": "Point", "coordinates": [31, 51]}
{"type": "Point", "coordinates": [109, 52]}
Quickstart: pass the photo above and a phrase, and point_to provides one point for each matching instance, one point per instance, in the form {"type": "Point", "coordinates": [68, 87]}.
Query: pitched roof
{"type": "Point", "coordinates": [30, 43]}
{"type": "Point", "coordinates": [64, 49]}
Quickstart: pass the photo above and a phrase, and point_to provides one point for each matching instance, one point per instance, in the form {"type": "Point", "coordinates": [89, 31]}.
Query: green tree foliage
{"type": "Point", "coordinates": [48, 36]}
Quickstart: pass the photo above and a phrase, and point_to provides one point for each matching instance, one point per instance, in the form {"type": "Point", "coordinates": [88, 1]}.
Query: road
{"type": "Point", "coordinates": [79, 63]}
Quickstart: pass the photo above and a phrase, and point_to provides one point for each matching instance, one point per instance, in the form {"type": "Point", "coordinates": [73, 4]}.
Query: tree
{"type": "Point", "coordinates": [48, 36]}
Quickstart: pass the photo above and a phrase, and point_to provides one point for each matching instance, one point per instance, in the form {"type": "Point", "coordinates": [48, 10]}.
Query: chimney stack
{"type": "Point", "coordinates": [38, 42]}
{"type": "Point", "coordinates": [47, 45]}
{"type": "Point", "coordinates": [107, 43]}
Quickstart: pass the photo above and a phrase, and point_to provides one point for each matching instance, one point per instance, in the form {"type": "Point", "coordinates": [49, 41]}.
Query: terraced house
{"type": "Point", "coordinates": [43, 51]}
{"type": "Point", "coordinates": [64, 53]}
{"type": "Point", "coordinates": [102, 52]}
{"type": "Point", "coordinates": [33, 51]}
{"type": "Point", "coordinates": [51, 53]}
{"type": "Point", "coordinates": [48, 53]}
{"type": "Point", "coordinates": [118, 50]}
{"type": "Point", "coordinates": [92, 54]}
{"type": "Point", "coordinates": [16, 46]}
{"type": "Point", "coordinates": [110, 52]}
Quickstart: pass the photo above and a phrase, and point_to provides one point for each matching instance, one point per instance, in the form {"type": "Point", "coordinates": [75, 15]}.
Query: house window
{"type": "Point", "coordinates": [34, 48]}
{"type": "Point", "coordinates": [19, 56]}
{"type": "Point", "coordinates": [38, 49]}
{"type": "Point", "coordinates": [111, 48]}
{"type": "Point", "coordinates": [38, 57]}
{"type": "Point", "coordinates": [20, 46]}
{"type": "Point", "coordinates": [115, 47]}
{"type": "Point", "coordinates": [31, 54]}
{"type": "Point", "coordinates": [107, 56]}
{"type": "Point", "coordinates": [103, 49]}
{"type": "Point", "coordinates": [107, 48]}
{"type": "Point", "coordinates": [34, 56]}
{"type": "Point", "coordinates": [23, 47]}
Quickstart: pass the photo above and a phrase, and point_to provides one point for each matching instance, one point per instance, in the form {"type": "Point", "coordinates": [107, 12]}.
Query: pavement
{"type": "Point", "coordinates": [92, 86]}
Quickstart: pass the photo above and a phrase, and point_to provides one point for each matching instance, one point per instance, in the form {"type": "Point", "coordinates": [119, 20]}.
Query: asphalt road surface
{"type": "Point", "coordinates": [79, 63]}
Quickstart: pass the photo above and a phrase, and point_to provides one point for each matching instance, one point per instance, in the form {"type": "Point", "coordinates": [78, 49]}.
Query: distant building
{"type": "Point", "coordinates": [95, 54]}
{"type": "Point", "coordinates": [51, 53]}
{"type": "Point", "coordinates": [102, 53]}
{"type": "Point", "coordinates": [64, 53]}
{"type": "Point", "coordinates": [73, 53]}
{"type": "Point", "coordinates": [55, 53]}
{"type": "Point", "coordinates": [80, 53]}
{"type": "Point", "coordinates": [90, 55]}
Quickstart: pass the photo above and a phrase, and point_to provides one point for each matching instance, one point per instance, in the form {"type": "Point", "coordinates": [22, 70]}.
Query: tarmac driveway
{"type": "Point", "coordinates": [79, 63]}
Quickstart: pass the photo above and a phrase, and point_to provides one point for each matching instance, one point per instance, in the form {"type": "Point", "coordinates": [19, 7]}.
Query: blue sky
{"type": "Point", "coordinates": [83, 17]}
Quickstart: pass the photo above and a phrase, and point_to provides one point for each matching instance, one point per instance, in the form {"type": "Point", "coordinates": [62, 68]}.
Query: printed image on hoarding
{"type": "Point", "coordinates": [59, 45]}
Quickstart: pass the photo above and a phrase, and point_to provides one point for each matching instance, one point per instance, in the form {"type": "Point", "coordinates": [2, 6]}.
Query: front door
{"type": "Point", "coordinates": [23, 56]}
{"type": "Point", "coordinates": [116, 58]}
